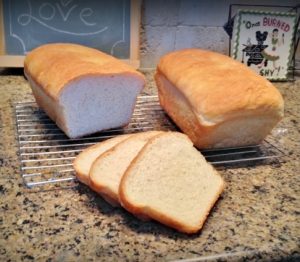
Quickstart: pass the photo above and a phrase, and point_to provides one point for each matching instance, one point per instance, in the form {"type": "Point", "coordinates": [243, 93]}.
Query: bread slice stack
{"type": "Point", "coordinates": [85, 159]}
{"type": "Point", "coordinates": [155, 174]}
{"type": "Point", "coordinates": [107, 170]}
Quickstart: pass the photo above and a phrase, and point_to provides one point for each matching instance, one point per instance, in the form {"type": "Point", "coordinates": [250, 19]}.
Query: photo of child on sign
{"type": "Point", "coordinates": [263, 41]}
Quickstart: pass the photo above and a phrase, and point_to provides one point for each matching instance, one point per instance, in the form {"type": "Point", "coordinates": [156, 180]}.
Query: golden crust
{"type": "Point", "coordinates": [217, 85]}
{"type": "Point", "coordinates": [52, 66]}
{"type": "Point", "coordinates": [180, 110]}
{"type": "Point", "coordinates": [94, 182]}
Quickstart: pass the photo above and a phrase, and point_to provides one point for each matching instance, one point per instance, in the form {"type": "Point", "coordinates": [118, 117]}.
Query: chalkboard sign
{"type": "Point", "coordinates": [101, 24]}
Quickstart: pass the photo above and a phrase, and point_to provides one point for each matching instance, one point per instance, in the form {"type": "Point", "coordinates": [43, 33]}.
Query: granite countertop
{"type": "Point", "coordinates": [256, 218]}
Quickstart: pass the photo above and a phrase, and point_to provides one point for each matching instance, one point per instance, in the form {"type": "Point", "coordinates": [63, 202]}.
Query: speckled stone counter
{"type": "Point", "coordinates": [256, 218]}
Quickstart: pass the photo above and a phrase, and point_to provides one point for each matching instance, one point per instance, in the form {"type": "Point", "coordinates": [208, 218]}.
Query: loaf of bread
{"type": "Point", "coordinates": [83, 162]}
{"type": "Point", "coordinates": [217, 101]}
{"type": "Point", "coordinates": [82, 89]}
{"type": "Point", "coordinates": [171, 182]}
{"type": "Point", "coordinates": [107, 170]}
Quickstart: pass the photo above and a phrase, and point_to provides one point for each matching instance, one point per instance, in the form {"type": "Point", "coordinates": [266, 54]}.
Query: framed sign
{"type": "Point", "coordinates": [263, 41]}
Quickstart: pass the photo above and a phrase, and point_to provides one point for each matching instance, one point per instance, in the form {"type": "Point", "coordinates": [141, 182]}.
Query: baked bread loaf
{"type": "Point", "coordinates": [83, 162]}
{"type": "Point", "coordinates": [171, 182]}
{"type": "Point", "coordinates": [82, 89]}
{"type": "Point", "coordinates": [217, 101]}
{"type": "Point", "coordinates": [107, 170]}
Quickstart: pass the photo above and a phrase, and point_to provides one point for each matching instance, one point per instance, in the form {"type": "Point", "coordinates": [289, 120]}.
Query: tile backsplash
{"type": "Point", "coordinates": [170, 25]}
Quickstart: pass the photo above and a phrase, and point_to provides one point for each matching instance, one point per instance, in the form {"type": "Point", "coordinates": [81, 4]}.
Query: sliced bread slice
{"type": "Point", "coordinates": [171, 182]}
{"type": "Point", "coordinates": [107, 170]}
{"type": "Point", "coordinates": [85, 159]}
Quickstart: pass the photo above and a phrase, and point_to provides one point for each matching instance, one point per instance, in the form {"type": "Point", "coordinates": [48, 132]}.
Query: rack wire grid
{"type": "Point", "coordinates": [47, 154]}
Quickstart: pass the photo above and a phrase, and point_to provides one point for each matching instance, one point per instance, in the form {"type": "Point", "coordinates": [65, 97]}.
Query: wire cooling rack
{"type": "Point", "coordinates": [46, 153]}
